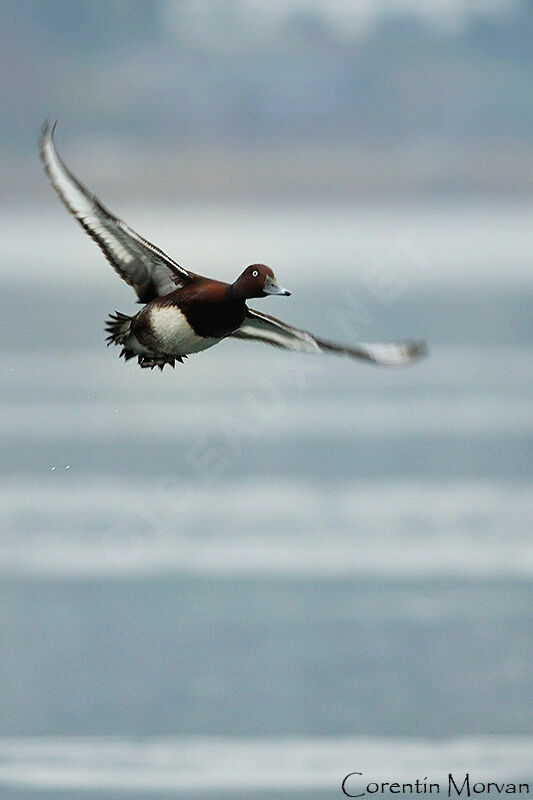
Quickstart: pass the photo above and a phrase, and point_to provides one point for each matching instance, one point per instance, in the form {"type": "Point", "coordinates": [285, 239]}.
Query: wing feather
{"type": "Point", "coordinates": [263, 328]}
{"type": "Point", "coordinates": [139, 262]}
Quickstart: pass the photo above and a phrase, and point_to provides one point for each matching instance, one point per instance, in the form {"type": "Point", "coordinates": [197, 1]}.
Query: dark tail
{"type": "Point", "coordinates": [118, 326]}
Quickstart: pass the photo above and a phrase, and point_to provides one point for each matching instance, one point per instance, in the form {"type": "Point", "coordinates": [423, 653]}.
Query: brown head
{"type": "Point", "coordinates": [258, 280]}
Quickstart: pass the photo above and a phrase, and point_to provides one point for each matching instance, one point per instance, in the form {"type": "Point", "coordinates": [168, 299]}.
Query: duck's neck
{"type": "Point", "coordinates": [234, 292]}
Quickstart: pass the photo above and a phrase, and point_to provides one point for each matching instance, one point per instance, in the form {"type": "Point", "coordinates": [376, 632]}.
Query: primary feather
{"type": "Point", "coordinates": [139, 262]}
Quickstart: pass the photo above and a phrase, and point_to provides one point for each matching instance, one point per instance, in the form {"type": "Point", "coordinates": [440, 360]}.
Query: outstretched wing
{"type": "Point", "coordinates": [141, 264]}
{"type": "Point", "coordinates": [263, 328]}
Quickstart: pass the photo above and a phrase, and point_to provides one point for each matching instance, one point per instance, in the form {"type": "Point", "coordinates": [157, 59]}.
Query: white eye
{"type": "Point", "coordinates": [255, 273]}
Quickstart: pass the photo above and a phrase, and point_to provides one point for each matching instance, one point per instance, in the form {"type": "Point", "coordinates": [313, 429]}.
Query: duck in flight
{"type": "Point", "coordinates": [183, 312]}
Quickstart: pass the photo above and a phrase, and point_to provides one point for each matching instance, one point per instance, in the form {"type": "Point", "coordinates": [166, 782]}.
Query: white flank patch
{"type": "Point", "coordinates": [174, 333]}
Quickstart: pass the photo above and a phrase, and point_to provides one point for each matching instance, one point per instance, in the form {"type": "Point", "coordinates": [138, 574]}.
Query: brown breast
{"type": "Point", "coordinates": [209, 308]}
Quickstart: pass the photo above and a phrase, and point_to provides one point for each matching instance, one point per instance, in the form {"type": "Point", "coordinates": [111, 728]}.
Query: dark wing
{"type": "Point", "coordinates": [141, 264]}
{"type": "Point", "coordinates": [260, 327]}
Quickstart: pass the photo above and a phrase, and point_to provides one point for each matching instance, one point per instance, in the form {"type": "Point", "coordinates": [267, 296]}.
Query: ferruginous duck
{"type": "Point", "coordinates": [183, 312]}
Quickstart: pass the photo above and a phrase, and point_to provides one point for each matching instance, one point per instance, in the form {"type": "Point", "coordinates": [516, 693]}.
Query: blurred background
{"type": "Point", "coordinates": [258, 573]}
